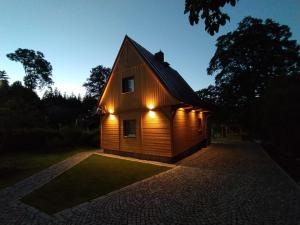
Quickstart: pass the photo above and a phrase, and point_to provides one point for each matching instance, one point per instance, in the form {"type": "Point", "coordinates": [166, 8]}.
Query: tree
{"type": "Point", "coordinates": [247, 59]}
{"type": "Point", "coordinates": [210, 11]}
{"type": "Point", "coordinates": [38, 70]}
{"type": "Point", "coordinates": [3, 79]}
{"type": "Point", "coordinates": [97, 80]}
{"type": "Point", "coordinates": [209, 96]}
{"type": "Point", "coordinates": [20, 108]}
{"type": "Point", "coordinates": [279, 109]}
{"type": "Point", "coordinates": [61, 110]}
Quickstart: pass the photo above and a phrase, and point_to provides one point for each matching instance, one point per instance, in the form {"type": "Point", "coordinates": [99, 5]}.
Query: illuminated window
{"type": "Point", "coordinates": [129, 128]}
{"type": "Point", "coordinates": [128, 85]}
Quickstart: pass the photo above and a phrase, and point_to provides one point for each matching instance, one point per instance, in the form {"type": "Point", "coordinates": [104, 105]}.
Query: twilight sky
{"type": "Point", "coordinates": [76, 35]}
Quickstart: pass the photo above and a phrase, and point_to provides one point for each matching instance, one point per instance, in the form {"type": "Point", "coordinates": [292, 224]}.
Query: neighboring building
{"type": "Point", "coordinates": [148, 110]}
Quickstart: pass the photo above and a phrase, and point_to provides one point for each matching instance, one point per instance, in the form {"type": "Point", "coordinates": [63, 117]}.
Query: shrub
{"type": "Point", "coordinates": [26, 139]}
{"type": "Point", "coordinates": [37, 139]}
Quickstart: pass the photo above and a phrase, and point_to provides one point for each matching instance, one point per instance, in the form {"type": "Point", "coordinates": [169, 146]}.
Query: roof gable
{"type": "Point", "coordinates": [170, 78]}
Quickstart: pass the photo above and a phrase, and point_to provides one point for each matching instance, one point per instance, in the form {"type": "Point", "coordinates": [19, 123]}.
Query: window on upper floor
{"type": "Point", "coordinates": [128, 84]}
{"type": "Point", "coordinates": [129, 128]}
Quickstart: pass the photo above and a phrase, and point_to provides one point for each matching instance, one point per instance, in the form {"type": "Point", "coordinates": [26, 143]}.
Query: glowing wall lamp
{"type": "Point", "coordinates": [152, 114]}
{"type": "Point", "coordinates": [150, 106]}
{"type": "Point", "coordinates": [111, 111]}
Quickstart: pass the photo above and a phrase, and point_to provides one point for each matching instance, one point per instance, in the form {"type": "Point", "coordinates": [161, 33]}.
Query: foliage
{"type": "Point", "coordinates": [279, 111]}
{"type": "Point", "coordinates": [90, 117]}
{"type": "Point", "coordinates": [61, 110]}
{"type": "Point", "coordinates": [32, 139]}
{"type": "Point", "coordinates": [210, 11]}
{"type": "Point", "coordinates": [211, 98]}
{"type": "Point", "coordinates": [28, 123]}
{"type": "Point", "coordinates": [97, 80]}
{"type": "Point", "coordinates": [3, 79]}
{"type": "Point", "coordinates": [38, 70]}
{"type": "Point", "coordinates": [20, 108]}
{"type": "Point", "coordinates": [257, 72]}
{"type": "Point", "coordinates": [54, 122]}
{"type": "Point", "coordinates": [249, 58]}
{"type": "Point", "coordinates": [45, 139]}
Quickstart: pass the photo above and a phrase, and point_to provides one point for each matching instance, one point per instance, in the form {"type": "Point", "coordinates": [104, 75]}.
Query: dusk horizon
{"type": "Point", "coordinates": [76, 37]}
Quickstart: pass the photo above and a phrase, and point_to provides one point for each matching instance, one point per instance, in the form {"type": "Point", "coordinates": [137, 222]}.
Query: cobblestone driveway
{"type": "Point", "coordinates": [226, 183]}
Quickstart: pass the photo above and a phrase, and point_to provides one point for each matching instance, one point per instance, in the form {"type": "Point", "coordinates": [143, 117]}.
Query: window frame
{"type": "Point", "coordinates": [124, 80]}
{"type": "Point", "coordinates": [126, 129]}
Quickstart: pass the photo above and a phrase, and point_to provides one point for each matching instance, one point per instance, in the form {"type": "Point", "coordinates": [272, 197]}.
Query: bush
{"type": "Point", "coordinates": [90, 138]}
{"type": "Point", "coordinates": [37, 139]}
{"type": "Point", "coordinates": [26, 139]}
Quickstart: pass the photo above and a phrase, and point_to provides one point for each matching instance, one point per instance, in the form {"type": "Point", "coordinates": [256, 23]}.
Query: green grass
{"type": "Point", "coordinates": [17, 166]}
{"type": "Point", "coordinates": [91, 178]}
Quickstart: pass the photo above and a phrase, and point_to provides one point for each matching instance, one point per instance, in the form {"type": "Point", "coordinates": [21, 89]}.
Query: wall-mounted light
{"type": "Point", "coordinates": [150, 106]}
{"type": "Point", "coordinates": [111, 111]}
{"type": "Point", "coordinates": [112, 117]}
{"type": "Point", "coordinates": [152, 114]}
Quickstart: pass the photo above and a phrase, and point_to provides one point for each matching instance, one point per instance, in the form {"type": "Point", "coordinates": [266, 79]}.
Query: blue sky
{"type": "Point", "coordinates": [76, 35]}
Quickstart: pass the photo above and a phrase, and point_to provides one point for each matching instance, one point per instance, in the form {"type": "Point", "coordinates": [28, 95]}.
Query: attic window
{"type": "Point", "coordinates": [129, 129]}
{"type": "Point", "coordinates": [128, 84]}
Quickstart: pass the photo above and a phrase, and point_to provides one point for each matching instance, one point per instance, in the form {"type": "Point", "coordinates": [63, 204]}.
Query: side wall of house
{"type": "Point", "coordinates": [188, 130]}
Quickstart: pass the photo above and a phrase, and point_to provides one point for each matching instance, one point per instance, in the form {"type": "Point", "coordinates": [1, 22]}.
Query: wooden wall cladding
{"type": "Point", "coordinates": [186, 130]}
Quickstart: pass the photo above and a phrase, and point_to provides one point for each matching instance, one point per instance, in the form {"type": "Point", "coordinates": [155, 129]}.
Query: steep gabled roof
{"type": "Point", "coordinates": [169, 77]}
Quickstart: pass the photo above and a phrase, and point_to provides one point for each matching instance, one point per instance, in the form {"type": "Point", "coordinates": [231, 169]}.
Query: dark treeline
{"type": "Point", "coordinates": [257, 84]}
{"type": "Point", "coordinates": [55, 121]}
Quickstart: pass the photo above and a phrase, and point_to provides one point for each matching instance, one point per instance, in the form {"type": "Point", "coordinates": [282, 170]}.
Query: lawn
{"type": "Point", "coordinates": [17, 166]}
{"type": "Point", "coordinates": [91, 178]}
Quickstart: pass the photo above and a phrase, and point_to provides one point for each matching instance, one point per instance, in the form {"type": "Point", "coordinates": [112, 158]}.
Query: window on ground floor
{"type": "Point", "coordinates": [129, 128]}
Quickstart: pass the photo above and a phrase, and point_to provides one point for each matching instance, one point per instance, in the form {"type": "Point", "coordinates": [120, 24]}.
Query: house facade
{"type": "Point", "coordinates": [147, 109]}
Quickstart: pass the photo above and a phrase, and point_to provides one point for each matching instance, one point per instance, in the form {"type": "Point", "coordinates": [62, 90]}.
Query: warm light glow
{"type": "Point", "coordinates": [201, 115]}
{"type": "Point", "coordinates": [111, 111]}
{"type": "Point", "coordinates": [152, 114]}
{"type": "Point", "coordinates": [193, 110]}
{"type": "Point", "coordinates": [181, 109]}
{"type": "Point", "coordinates": [151, 106]}
{"type": "Point", "coordinates": [112, 117]}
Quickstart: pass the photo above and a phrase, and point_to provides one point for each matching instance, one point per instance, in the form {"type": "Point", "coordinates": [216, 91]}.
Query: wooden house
{"type": "Point", "coordinates": [148, 110]}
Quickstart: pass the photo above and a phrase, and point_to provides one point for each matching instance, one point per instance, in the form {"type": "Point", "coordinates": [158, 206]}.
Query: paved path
{"type": "Point", "coordinates": [227, 183]}
{"type": "Point", "coordinates": [12, 211]}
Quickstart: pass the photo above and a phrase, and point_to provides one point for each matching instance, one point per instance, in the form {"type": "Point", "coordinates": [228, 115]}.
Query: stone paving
{"type": "Point", "coordinates": [12, 211]}
{"type": "Point", "coordinates": [226, 183]}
